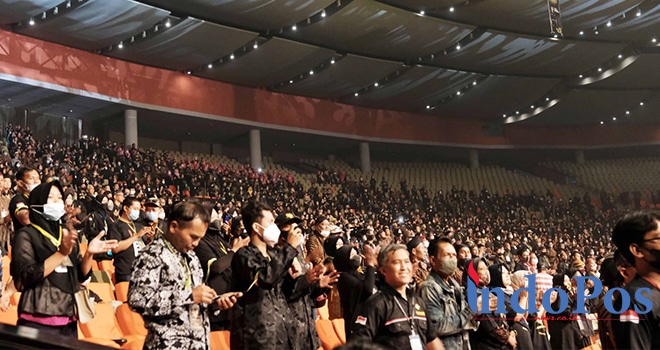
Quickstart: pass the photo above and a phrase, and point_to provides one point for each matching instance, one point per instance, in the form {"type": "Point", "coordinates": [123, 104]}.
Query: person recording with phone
{"type": "Point", "coordinates": [154, 216]}
{"type": "Point", "coordinates": [167, 284]}
{"type": "Point", "coordinates": [131, 236]}
{"type": "Point", "coordinates": [215, 254]}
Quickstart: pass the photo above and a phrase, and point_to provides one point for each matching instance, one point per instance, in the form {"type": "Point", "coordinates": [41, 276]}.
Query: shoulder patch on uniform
{"type": "Point", "coordinates": [629, 316]}
{"type": "Point", "coordinates": [361, 320]}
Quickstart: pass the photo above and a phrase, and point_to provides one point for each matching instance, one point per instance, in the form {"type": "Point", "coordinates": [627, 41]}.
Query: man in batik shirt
{"type": "Point", "coordinates": [166, 285]}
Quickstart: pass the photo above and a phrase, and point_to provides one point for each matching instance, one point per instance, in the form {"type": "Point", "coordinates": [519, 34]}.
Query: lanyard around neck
{"type": "Point", "coordinates": [56, 242]}
{"type": "Point", "coordinates": [411, 318]}
{"type": "Point", "coordinates": [175, 253]}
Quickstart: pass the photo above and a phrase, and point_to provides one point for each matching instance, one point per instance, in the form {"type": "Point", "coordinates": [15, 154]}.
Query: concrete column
{"type": "Point", "coordinates": [474, 159]}
{"type": "Point", "coordinates": [130, 128]}
{"type": "Point", "coordinates": [216, 149]}
{"type": "Point", "coordinates": [579, 156]}
{"type": "Point", "coordinates": [365, 157]}
{"type": "Point", "coordinates": [80, 130]}
{"type": "Point", "coordinates": [255, 149]}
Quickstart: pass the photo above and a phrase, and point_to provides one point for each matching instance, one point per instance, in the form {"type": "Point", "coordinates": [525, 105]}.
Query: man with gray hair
{"type": "Point", "coordinates": [395, 317]}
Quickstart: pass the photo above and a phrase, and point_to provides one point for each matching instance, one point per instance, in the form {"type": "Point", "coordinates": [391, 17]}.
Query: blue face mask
{"type": "Point", "coordinates": [152, 216]}
{"type": "Point", "coordinates": [134, 214]}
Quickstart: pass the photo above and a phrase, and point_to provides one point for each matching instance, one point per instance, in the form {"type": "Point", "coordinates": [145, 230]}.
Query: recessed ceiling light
{"type": "Point", "coordinates": [602, 122]}
{"type": "Point", "coordinates": [627, 112]}
{"type": "Point", "coordinates": [121, 45]}
{"type": "Point", "coordinates": [255, 45]}
{"type": "Point", "coordinates": [332, 61]}
{"type": "Point", "coordinates": [311, 72]}
{"type": "Point", "coordinates": [474, 83]}
{"type": "Point", "coordinates": [580, 76]}
{"type": "Point", "coordinates": [609, 23]}
{"type": "Point", "coordinates": [451, 9]}
{"type": "Point", "coordinates": [294, 27]}
{"type": "Point", "coordinates": [458, 47]}
{"type": "Point", "coordinates": [581, 32]}
{"type": "Point", "coordinates": [168, 24]}
{"type": "Point", "coordinates": [532, 106]}
{"type": "Point", "coordinates": [600, 69]}
{"type": "Point", "coordinates": [290, 81]}
{"type": "Point", "coordinates": [356, 94]}
{"type": "Point", "coordinates": [458, 93]}
{"type": "Point", "coordinates": [614, 118]}
{"type": "Point", "coordinates": [210, 65]}
{"type": "Point", "coordinates": [323, 14]}
{"type": "Point", "coordinates": [620, 56]}
{"type": "Point", "coordinates": [31, 22]}
{"type": "Point", "coordinates": [641, 103]}
{"type": "Point", "coordinates": [231, 57]}
{"type": "Point", "coordinates": [428, 107]}
{"type": "Point", "coordinates": [421, 13]}
{"type": "Point", "coordinates": [376, 84]}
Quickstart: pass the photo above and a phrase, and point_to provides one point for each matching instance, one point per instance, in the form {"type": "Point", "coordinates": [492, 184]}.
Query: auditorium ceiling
{"type": "Point", "coordinates": [495, 61]}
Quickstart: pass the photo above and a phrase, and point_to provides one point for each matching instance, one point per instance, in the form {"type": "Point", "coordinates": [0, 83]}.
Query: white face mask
{"type": "Point", "coordinates": [31, 187]}
{"type": "Point", "coordinates": [53, 211]}
{"type": "Point", "coordinates": [325, 233]}
{"type": "Point", "coordinates": [271, 234]}
{"type": "Point", "coordinates": [161, 215]}
{"type": "Point", "coordinates": [134, 214]}
{"type": "Point", "coordinates": [152, 216]}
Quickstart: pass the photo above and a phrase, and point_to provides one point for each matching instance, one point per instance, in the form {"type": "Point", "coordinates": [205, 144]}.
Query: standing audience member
{"type": "Point", "coordinates": [262, 319]}
{"type": "Point", "coordinates": [27, 179]}
{"type": "Point", "coordinates": [446, 303]}
{"type": "Point", "coordinates": [314, 244]}
{"type": "Point", "coordinates": [47, 266]}
{"type": "Point", "coordinates": [167, 287]}
{"type": "Point", "coordinates": [395, 317]}
{"type": "Point", "coordinates": [637, 236]}
{"type": "Point", "coordinates": [129, 232]}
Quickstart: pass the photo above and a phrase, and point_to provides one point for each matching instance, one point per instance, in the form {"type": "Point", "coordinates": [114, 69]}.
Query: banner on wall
{"type": "Point", "coordinates": [555, 18]}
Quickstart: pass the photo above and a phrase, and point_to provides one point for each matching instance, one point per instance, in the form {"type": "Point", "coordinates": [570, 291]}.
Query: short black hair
{"type": "Point", "coordinates": [631, 230]}
{"type": "Point", "coordinates": [185, 212]}
{"type": "Point", "coordinates": [20, 174]}
{"type": "Point", "coordinates": [434, 245]}
{"type": "Point", "coordinates": [252, 212]}
{"type": "Point", "coordinates": [128, 201]}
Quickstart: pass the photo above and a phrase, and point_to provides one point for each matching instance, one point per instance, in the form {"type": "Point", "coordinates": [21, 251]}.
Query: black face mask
{"type": "Point", "coordinates": [656, 255]}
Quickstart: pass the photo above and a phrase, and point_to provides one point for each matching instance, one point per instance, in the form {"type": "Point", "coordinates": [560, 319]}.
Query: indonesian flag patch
{"type": "Point", "coordinates": [361, 320]}
{"type": "Point", "coordinates": [629, 316]}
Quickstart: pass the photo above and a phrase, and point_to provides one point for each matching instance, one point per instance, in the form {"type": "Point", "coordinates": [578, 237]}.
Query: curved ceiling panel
{"type": "Point", "coordinates": [638, 29]}
{"type": "Point", "coordinates": [189, 44]}
{"type": "Point", "coordinates": [96, 23]}
{"type": "Point", "coordinates": [417, 88]}
{"type": "Point", "coordinates": [343, 78]}
{"type": "Point", "coordinates": [426, 5]}
{"type": "Point", "coordinates": [12, 11]}
{"type": "Point", "coordinates": [376, 29]}
{"type": "Point", "coordinates": [255, 14]}
{"type": "Point", "coordinates": [524, 16]}
{"type": "Point", "coordinates": [275, 61]}
{"type": "Point", "coordinates": [499, 53]}
{"type": "Point", "coordinates": [496, 96]}
{"type": "Point", "coordinates": [641, 74]}
{"type": "Point", "coordinates": [589, 106]}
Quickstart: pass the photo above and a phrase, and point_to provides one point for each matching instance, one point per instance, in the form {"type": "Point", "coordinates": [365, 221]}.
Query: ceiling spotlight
{"type": "Point", "coordinates": [654, 40]}
{"type": "Point", "coordinates": [188, 72]}
{"type": "Point", "coordinates": [210, 65]}
{"type": "Point", "coordinates": [356, 94]}
{"type": "Point", "coordinates": [421, 13]}
{"type": "Point", "coordinates": [639, 13]}
{"type": "Point", "coordinates": [596, 32]}
{"type": "Point", "coordinates": [555, 36]}
{"type": "Point", "coordinates": [458, 47]}
{"type": "Point", "coordinates": [68, 4]}
{"type": "Point", "coordinates": [121, 45]}
{"type": "Point", "coordinates": [627, 112]}
{"type": "Point", "coordinates": [532, 106]}
{"type": "Point", "coordinates": [71, 111]}
{"type": "Point", "coordinates": [168, 24]}
{"type": "Point", "coordinates": [582, 32]}
{"type": "Point", "coordinates": [614, 118]}
{"type": "Point", "coordinates": [641, 103]}
{"type": "Point", "coordinates": [580, 76]}
{"type": "Point", "coordinates": [323, 14]}
{"type": "Point", "coordinates": [428, 107]}
{"type": "Point", "coordinates": [255, 45]}
{"type": "Point", "coordinates": [311, 72]}
{"type": "Point", "coordinates": [451, 9]}
{"type": "Point", "coordinates": [332, 61]}
{"type": "Point", "coordinates": [620, 56]}
{"type": "Point", "coordinates": [474, 83]}
{"type": "Point", "coordinates": [376, 84]}
{"type": "Point", "coordinates": [294, 27]}
{"type": "Point", "coordinates": [503, 115]}
{"type": "Point", "coordinates": [600, 69]}
{"type": "Point", "coordinates": [609, 23]}
{"type": "Point", "coordinates": [231, 57]}
{"type": "Point", "coordinates": [547, 98]}
{"type": "Point", "coordinates": [31, 22]}
{"type": "Point", "coordinates": [602, 122]}
{"type": "Point", "coordinates": [458, 93]}
{"type": "Point", "coordinates": [291, 81]}
{"type": "Point", "coordinates": [517, 112]}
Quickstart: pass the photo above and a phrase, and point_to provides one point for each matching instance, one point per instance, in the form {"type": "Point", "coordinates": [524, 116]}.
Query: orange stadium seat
{"type": "Point", "coordinates": [83, 248]}
{"type": "Point", "coordinates": [130, 321]}
{"type": "Point", "coordinates": [327, 334]}
{"type": "Point", "coordinates": [5, 269]}
{"type": "Point", "coordinates": [10, 316]}
{"type": "Point", "coordinates": [105, 325]}
{"type": "Point", "coordinates": [15, 298]}
{"type": "Point", "coordinates": [121, 291]}
{"type": "Point", "coordinates": [104, 290]}
{"type": "Point", "coordinates": [338, 324]}
{"type": "Point", "coordinates": [220, 340]}
{"type": "Point", "coordinates": [109, 267]}
{"type": "Point", "coordinates": [323, 312]}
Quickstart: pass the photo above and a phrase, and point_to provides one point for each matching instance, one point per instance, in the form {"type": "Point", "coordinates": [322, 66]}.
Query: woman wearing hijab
{"type": "Point", "coordinates": [525, 326]}
{"type": "Point", "coordinates": [564, 330]}
{"type": "Point", "coordinates": [47, 266]}
{"type": "Point", "coordinates": [354, 287]}
{"type": "Point", "coordinates": [494, 332]}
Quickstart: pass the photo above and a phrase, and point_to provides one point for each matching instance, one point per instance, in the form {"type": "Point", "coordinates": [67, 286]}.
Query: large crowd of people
{"type": "Point", "coordinates": [209, 247]}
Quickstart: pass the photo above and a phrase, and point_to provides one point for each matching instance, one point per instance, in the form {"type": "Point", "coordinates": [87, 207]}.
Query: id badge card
{"type": "Point", "coordinates": [138, 245]}
{"type": "Point", "coordinates": [196, 317]}
{"type": "Point", "coordinates": [61, 268]}
{"type": "Point", "coordinates": [415, 342]}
